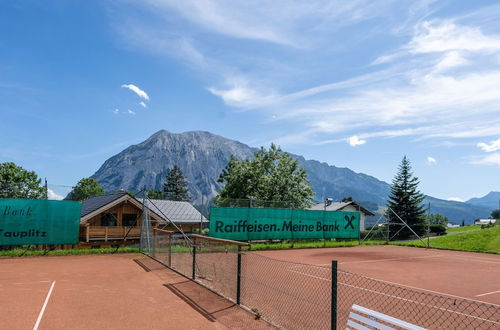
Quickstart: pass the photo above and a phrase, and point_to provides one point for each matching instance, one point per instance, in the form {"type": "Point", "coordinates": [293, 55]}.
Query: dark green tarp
{"type": "Point", "coordinates": [245, 224]}
{"type": "Point", "coordinates": [35, 221]}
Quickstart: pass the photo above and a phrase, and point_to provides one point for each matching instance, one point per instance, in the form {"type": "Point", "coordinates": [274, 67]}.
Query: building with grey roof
{"type": "Point", "coordinates": [180, 213]}
{"type": "Point", "coordinates": [351, 206]}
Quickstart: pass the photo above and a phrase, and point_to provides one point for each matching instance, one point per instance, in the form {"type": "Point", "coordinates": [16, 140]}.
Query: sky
{"type": "Point", "coordinates": [356, 84]}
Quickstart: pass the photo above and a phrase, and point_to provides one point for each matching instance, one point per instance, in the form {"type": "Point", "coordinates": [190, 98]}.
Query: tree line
{"type": "Point", "coordinates": [270, 175]}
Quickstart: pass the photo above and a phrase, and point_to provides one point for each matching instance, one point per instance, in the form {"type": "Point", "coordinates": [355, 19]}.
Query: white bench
{"type": "Point", "coordinates": [362, 318]}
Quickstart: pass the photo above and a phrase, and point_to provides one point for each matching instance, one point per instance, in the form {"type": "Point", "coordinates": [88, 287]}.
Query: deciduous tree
{"type": "Point", "coordinates": [16, 182]}
{"type": "Point", "coordinates": [85, 188]}
{"type": "Point", "coordinates": [271, 175]}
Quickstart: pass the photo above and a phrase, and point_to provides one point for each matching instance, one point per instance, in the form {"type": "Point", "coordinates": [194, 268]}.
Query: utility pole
{"type": "Point", "coordinates": [46, 190]}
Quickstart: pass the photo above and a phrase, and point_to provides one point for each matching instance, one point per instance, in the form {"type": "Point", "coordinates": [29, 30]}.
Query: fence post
{"type": "Point", "coordinates": [154, 244]}
{"type": "Point", "coordinates": [169, 250]}
{"type": "Point", "coordinates": [194, 259]}
{"type": "Point", "coordinates": [334, 295]}
{"type": "Point", "coordinates": [238, 277]}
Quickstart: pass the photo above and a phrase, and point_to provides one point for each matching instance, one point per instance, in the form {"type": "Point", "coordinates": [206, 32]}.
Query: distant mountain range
{"type": "Point", "coordinates": [491, 200]}
{"type": "Point", "coordinates": [202, 156]}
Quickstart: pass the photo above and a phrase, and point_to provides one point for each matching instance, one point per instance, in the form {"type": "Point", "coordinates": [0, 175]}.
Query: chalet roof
{"type": "Point", "coordinates": [96, 202]}
{"type": "Point", "coordinates": [339, 206]}
{"type": "Point", "coordinates": [93, 206]}
{"type": "Point", "coordinates": [176, 211]}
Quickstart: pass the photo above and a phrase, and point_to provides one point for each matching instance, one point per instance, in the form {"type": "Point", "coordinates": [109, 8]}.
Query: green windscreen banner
{"type": "Point", "coordinates": [36, 221]}
{"type": "Point", "coordinates": [244, 224]}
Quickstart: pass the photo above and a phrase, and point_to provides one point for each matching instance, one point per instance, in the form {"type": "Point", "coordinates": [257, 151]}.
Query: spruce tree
{"type": "Point", "coordinates": [406, 201]}
{"type": "Point", "coordinates": [176, 186]}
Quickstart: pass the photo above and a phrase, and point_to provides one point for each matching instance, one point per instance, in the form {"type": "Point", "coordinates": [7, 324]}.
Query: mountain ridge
{"type": "Point", "coordinates": [202, 156]}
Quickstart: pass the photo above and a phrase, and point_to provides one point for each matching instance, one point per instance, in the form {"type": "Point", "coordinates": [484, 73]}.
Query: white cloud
{"type": "Point", "coordinates": [442, 36]}
{"type": "Point", "coordinates": [142, 104]}
{"type": "Point", "coordinates": [130, 112]}
{"type": "Point", "coordinates": [431, 160]}
{"type": "Point", "coordinates": [288, 22]}
{"type": "Point", "coordinates": [455, 199]}
{"type": "Point", "coordinates": [492, 146]}
{"type": "Point", "coordinates": [53, 196]}
{"type": "Point", "coordinates": [355, 141]}
{"type": "Point", "coordinates": [441, 83]}
{"type": "Point", "coordinates": [115, 111]}
{"type": "Point", "coordinates": [240, 94]}
{"type": "Point", "coordinates": [137, 90]}
{"type": "Point", "coordinates": [490, 159]}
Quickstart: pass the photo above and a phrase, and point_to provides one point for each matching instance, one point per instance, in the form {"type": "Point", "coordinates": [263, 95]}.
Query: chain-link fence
{"type": "Point", "coordinates": [422, 309]}
{"type": "Point", "coordinates": [290, 295]}
{"type": "Point", "coordinates": [303, 296]}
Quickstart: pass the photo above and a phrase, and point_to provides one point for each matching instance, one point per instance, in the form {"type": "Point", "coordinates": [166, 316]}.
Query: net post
{"type": "Point", "coordinates": [334, 296]}
{"type": "Point", "coordinates": [238, 278]}
{"type": "Point", "coordinates": [194, 259]}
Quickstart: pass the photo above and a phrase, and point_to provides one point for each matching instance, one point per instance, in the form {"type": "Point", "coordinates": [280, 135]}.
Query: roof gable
{"type": "Point", "coordinates": [338, 206]}
{"type": "Point", "coordinates": [95, 205]}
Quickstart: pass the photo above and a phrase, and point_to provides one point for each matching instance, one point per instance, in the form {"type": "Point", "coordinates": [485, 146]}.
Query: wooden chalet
{"type": "Point", "coordinates": [113, 220]}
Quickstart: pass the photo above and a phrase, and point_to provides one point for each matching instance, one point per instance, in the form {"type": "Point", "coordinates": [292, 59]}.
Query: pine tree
{"type": "Point", "coordinates": [176, 186]}
{"type": "Point", "coordinates": [406, 201]}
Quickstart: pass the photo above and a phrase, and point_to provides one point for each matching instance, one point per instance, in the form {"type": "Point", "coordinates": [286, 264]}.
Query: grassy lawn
{"type": "Point", "coordinates": [463, 229]}
{"type": "Point", "coordinates": [71, 252]}
{"type": "Point", "coordinates": [470, 239]}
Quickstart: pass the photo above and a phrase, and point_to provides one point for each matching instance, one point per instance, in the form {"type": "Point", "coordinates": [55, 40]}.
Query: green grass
{"type": "Point", "coordinates": [481, 240]}
{"type": "Point", "coordinates": [463, 229]}
{"type": "Point", "coordinates": [284, 245]}
{"type": "Point", "coordinates": [70, 252]}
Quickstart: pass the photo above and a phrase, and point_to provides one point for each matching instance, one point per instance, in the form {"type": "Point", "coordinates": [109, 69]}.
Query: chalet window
{"type": "Point", "coordinates": [129, 219]}
{"type": "Point", "coordinates": [108, 220]}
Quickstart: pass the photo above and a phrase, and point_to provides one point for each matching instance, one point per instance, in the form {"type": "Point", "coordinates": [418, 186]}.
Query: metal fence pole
{"type": "Point", "coordinates": [238, 277]}
{"type": "Point", "coordinates": [194, 259]}
{"type": "Point", "coordinates": [334, 295]}
{"type": "Point", "coordinates": [169, 250]}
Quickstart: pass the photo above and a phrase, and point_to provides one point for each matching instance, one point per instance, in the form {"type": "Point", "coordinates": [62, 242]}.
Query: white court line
{"type": "Point", "coordinates": [43, 307]}
{"type": "Point", "coordinates": [405, 299]}
{"type": "Point", "coordinates": [406, 286]}
{"type": "Point", "coordinates": [389, 259]}
{"type": "Point", "coordinates": [485, 294]}
{"type": "Point", "coordinates": [475, 259]}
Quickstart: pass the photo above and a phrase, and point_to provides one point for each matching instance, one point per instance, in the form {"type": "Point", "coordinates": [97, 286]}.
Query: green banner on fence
{"type": "Point", "coordinates": [245, 224]}
{"type": "Point", "coordinates": [35, 221]}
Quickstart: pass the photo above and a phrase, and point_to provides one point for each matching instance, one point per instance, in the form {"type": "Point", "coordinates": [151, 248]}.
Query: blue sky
{"type": "Point", "coordinates": [355, 84]}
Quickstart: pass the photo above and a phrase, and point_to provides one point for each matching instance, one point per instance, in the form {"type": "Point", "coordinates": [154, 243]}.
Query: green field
{"type": "Point", "coordinates": [69, 252]}
{"type": "Point", "coordinates": [469, 238]}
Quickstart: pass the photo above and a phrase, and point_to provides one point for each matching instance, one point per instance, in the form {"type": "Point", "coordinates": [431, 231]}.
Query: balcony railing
{"type": "Point", "coordinates": [94, 233]}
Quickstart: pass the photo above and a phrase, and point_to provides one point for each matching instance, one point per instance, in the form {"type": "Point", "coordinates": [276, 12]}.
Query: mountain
{"type": "Point", "coordinates": [203, 155]}
{"type": "Point", "coordinates": [200, 155]}
{"type": "Point", "coordinates": [457, 211]}
{"type": "Point", "coordinates": [491, 200]}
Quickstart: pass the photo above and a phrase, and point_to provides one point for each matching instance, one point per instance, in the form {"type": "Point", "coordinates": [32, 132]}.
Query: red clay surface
{"type": "Point", "coordinates": [109, 292]}
{"type": "Point", "coordinates": [469, 275]}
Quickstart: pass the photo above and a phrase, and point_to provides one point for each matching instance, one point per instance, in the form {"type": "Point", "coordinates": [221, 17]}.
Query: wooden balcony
{"type": "Point", "coordinates": [94, 233]}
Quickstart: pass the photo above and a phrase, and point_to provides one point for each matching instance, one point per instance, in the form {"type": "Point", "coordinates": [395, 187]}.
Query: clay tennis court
{"type": "Point", "coordinates": [469, 275]}
{"type": "Point", "coordinates": [109, 292]}
{"type": "Point", "coordinates": [434, 289]}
